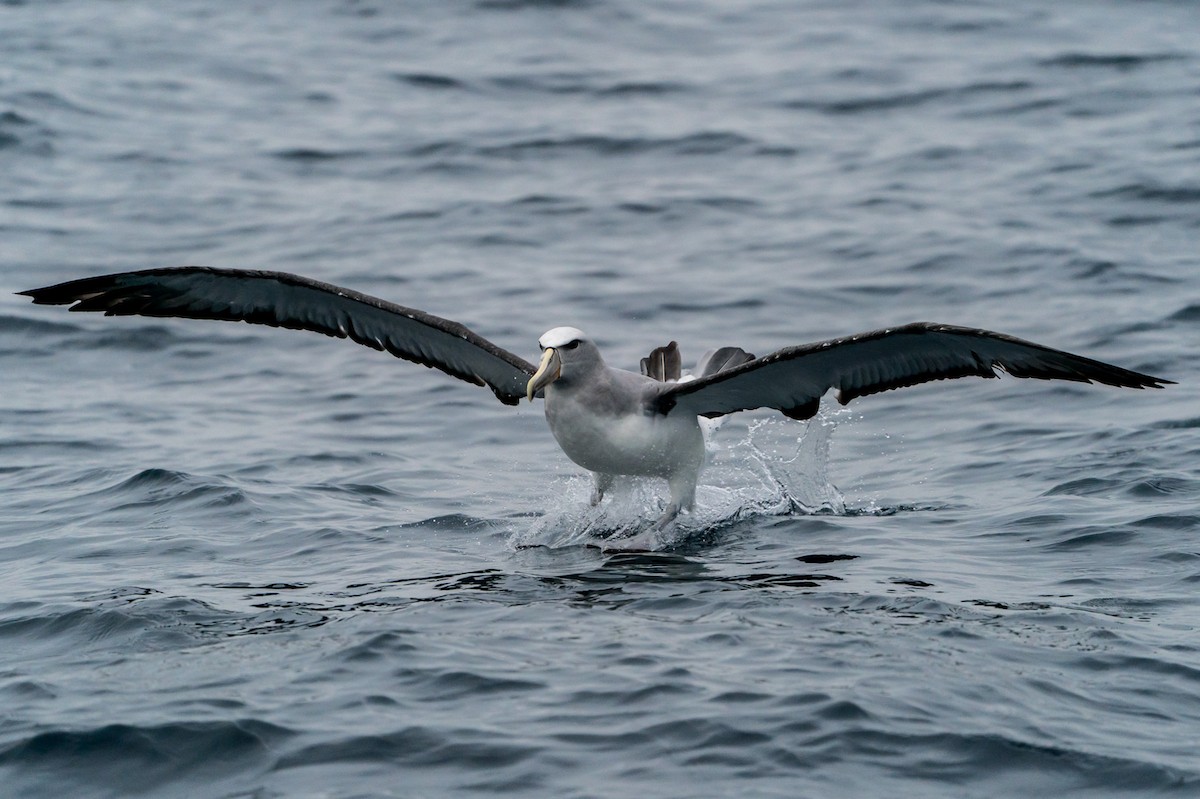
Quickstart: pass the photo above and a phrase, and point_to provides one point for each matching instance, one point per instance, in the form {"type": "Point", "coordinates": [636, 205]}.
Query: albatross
{"type": "Point", "coordinates": [610, 421]}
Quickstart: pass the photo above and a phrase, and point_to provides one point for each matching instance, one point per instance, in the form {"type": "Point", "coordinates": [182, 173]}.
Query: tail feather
{"type": "Point", "coordinates": [721, 359]}
{"type": "Point", "coordinates": [663, 363]}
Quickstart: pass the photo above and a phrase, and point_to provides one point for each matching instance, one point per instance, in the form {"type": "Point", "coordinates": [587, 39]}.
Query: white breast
{"type": "Point", "coordinates": [626, 443]}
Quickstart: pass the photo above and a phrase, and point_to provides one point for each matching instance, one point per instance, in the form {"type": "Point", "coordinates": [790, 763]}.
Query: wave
{"type": "Point", "coordinates": [428, 80]}
{"type": "Point", "coordinates": [151, 488]}
{"type": "Point", "coordinates": [1152, 193]}
{"type": "Point", "coordinates": [906, 99]}
{"type": "Point", "coordinates": [701, 143]}
{"type": "Point", "coordinates": [125, 759]}
{"type": "Point", "coordinates": [1117, 61]}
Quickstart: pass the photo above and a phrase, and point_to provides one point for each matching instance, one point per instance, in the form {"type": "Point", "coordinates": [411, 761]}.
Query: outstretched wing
{"type": "Point", "coordinates": [279, 299]}
{"type": "Point", "coordinates": [794, 379]}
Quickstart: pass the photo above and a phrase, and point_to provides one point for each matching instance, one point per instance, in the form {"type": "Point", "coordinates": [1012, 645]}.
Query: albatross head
{"type": "Point", "coordinates": [566, 351]}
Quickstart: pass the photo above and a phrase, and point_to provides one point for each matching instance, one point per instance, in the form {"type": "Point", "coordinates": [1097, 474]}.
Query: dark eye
{"type": "Point", "coordinates": [571, 345]}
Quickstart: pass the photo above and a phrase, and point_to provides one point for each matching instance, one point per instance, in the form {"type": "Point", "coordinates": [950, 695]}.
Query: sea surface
{"type": "Point", "coordinates": [243, 562]}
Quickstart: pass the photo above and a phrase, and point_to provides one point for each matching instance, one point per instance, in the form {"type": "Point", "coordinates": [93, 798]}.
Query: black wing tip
{"type": "Point", "coordinates": [58, 294]}
{"type": "Point", "coordinates": [1146, 381]}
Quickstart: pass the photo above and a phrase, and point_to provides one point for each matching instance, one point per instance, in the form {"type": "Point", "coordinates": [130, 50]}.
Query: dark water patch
{"type": "Point", "coordinates": [1115, 662]}
{"type": "Point", "coordinates": [682, 307]}
{"type": "Point", "coordinates": [685, 205]}
{"type": "Point", "coordinates": [1123, 62]}
{"type": "Point", "coordinates": [20, 325]}
{"type": "Point", "coordinates": [145, 158]}
{"type": "Point", "coordinates": [569, 83]}
{"type": "Point", "coordinates": [912, 607]}
{"type": "Point", "coordinates": [414, 746]}
{"type": "Point", "coordinates": [1028, 107]}
{"type": "Point", "coordinates": [549, 205]}
{"type": "Point", "coordinates": [13, 119]}
{"type": "Point", "coordinates": [1122, 607]}
{"type": "Point", "coordinates": [689, 734]}
{"type": "Point", "coordinates": [741, 697]}
{"type": "Point", "coordinates": [268, 589]}
{"type": "Point", "coordinates": [1016, 606]}
{"type": "Point", "coordinates": [824, 558]}
{"type": "Point", "coordinates": [1107, 272]}
{"type": "Point", "coordinates": [449, 522]}
{"type": "Point", "coordinates": [842, 710]}
{"type": "Point", "coordinates": [1154, 487]}
{"type": "Point", "coordinates": [532, 5]}
{"type": "Point", "coordinates": [1047, 521]}
{"type": "Point", "coordinates": [152, 488]}
{"type": "Point", "coordinates": [906, 100]}
{"type": "Point", "coordinates": [706, 143]}
{"type": "Point", "coordinates": [488, 580]}
{"type": "Point", "coordinates": [459, 684]}
{"type": "Point", "coordinates": [81, 625]}
{"type": "Point", "coordinates": [641, 208]}
{"type": "Point", "coordinates": [444, 147]}
{"type": "Point", "coordinates": [1188, 313]}
{"type": "Point", "coordinates": [134, 338]}
{"type": "Point", "coordinates": [943, 262]}
{"type": "Point", "coordinates": [888, 510]}
{"type": "Point", "coordinates": [53, 101]}
{"type": "Point", "coordinates": [26, 691]}
{"type": "Point", "coordinates": [1180, 557]}
{"type": "Point", "coordinates": [366, 490]}
{"type": "Point", "coordinates": [1177, 424]}
{"type": "Point", "coordinates": [130, 623]}
{"type": "Point", "coordinates": [428, 80]}
{"type": "Point", "coordinates": [121, 595]}
{"type": "Point", "coordinates": [1168, 521]}
{"type": "Point", "coordinates": [66, 447]}
{"type": "Point", "coordinates": [787, 580]}
{"type": "Point", "coordinates": [272, 620]}
{"type": "Point", "coordinates": [651, 88]}
{"type": "Point", "coordinates": [382, 647]}
{"type": "Point", "coordinates": [39, 203]}
{"type": "Point", "coordinates": [910, 582]}
{"type": "Point", "coordinates": [1127, 220]}
{"type": "Point", "coordinates": [312, 155]}
{"type": "Point", "coordinates": [1152, 192]}
{"type": "Point", "coordinates": [131, 760]}
{"type": "Point", "coordinates": [414, 215]}
{"type": "Point", "coordinates": [1091, 536]}
{"type": "Point", "coordinates": [998, 760]}
{"type": "Point", "coordinates": [489, 240]}
{"type": "Point", "coordinates": [1084, 486]}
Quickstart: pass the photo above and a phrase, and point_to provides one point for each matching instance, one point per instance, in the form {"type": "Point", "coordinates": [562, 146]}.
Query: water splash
{"type": "Point", "coordinates": [775, 468]}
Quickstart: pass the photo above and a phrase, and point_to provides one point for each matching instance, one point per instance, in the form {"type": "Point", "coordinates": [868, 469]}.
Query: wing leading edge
{"type": "Point", "coordinates": [289, 301]}
{"type": "Point", "coordinates": [794, 379]}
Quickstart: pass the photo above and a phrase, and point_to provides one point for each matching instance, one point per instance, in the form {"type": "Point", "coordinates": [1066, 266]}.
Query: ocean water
{"type": "Point", "coordinates": [241, 562]}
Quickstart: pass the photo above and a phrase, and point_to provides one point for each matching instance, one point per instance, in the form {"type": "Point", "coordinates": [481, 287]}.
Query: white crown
{"type": "Point", "coordinates": [560, 336]}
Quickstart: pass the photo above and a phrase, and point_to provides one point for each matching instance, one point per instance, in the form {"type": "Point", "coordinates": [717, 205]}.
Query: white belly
{"type": "Point", "coordinates": [633, 443]}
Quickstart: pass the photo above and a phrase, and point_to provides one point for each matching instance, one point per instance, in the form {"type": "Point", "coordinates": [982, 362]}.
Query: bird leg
{"type": "Point", "coordinates": [668, 516]}
{"type": "Point", "coordinates": [603, 483]}
{"type": "Point", "coordinates": [683, 496]}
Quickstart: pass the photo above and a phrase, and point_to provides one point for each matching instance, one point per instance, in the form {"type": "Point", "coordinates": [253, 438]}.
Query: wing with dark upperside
{"type": "Point", "coordinates": [794, 379]}
{"type": "Point", "coordinates": [279, 299]}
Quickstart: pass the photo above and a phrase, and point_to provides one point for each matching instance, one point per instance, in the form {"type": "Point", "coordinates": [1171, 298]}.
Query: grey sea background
{"type": "Point", "coordinates": [242, 562]}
